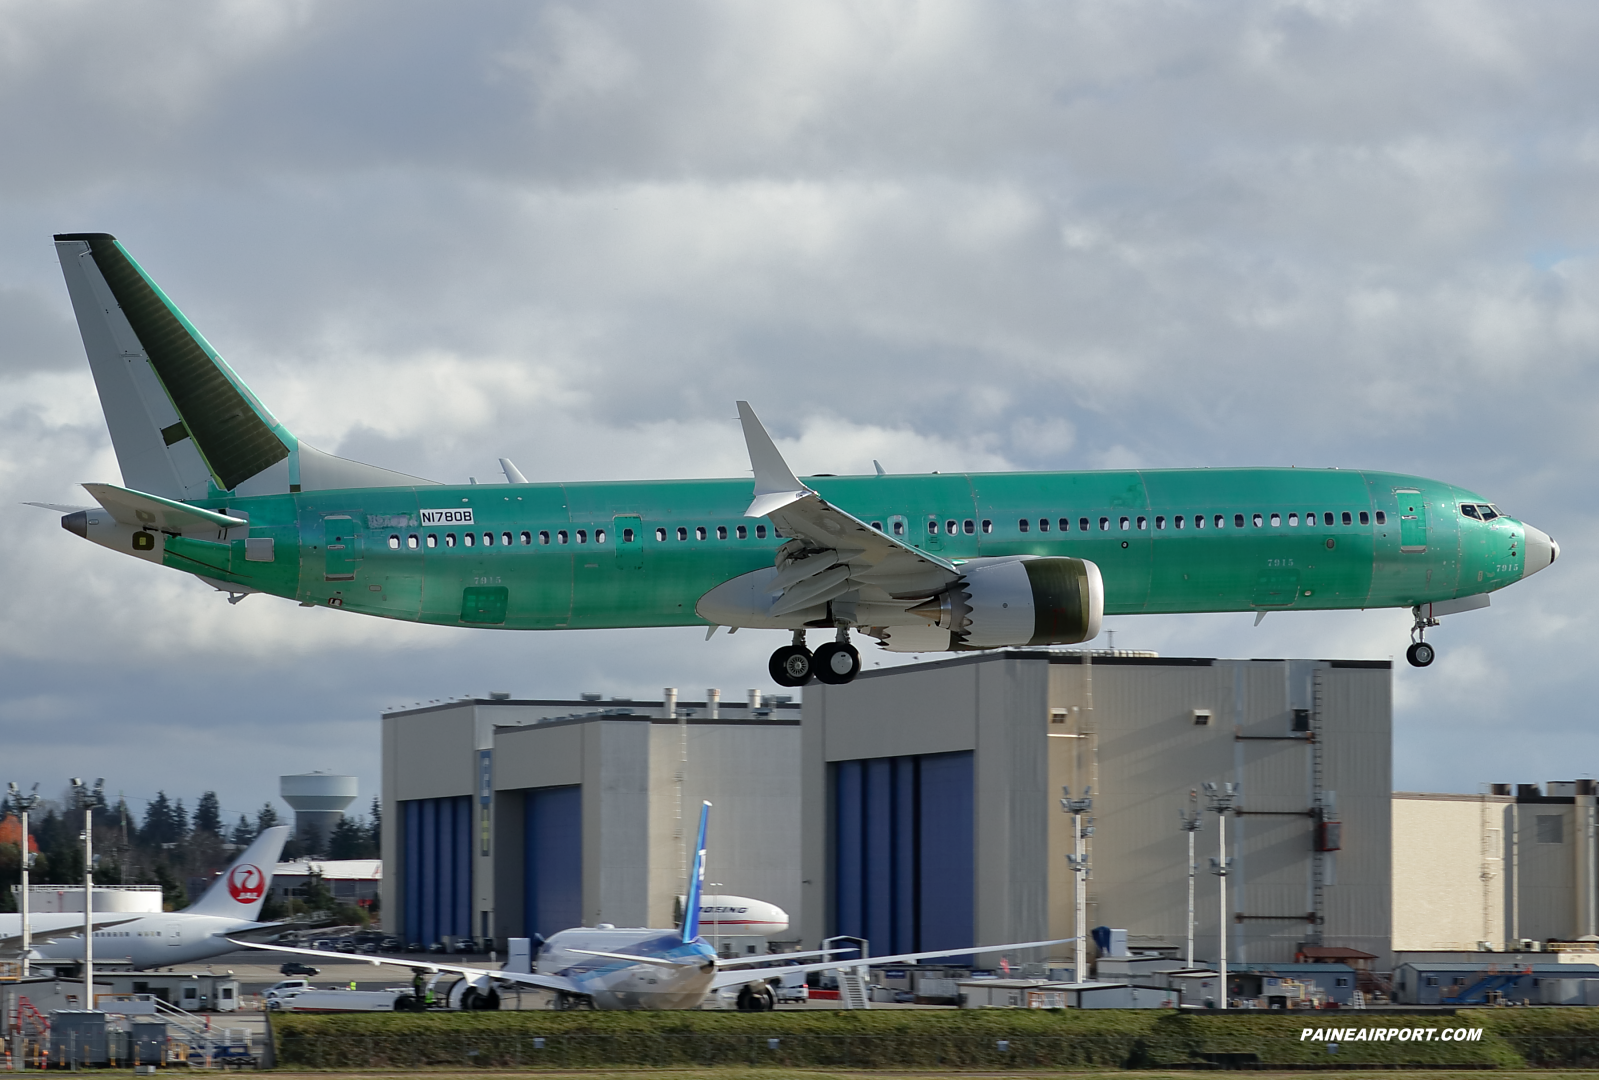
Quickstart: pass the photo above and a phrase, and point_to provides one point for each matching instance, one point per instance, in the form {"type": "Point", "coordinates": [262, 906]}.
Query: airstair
{"type": "Point", "coordinates": [852, 993]}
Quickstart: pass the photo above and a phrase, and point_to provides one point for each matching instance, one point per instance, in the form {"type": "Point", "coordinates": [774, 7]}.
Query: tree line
{"type": "Point", "coordinates": [166, 844]}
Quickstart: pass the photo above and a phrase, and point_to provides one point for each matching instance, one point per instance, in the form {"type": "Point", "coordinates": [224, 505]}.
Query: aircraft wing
{"type": "Point", "coordinates": [742, 976]}
{"type": "Point", "coordinates": [55, 933]}
{"type": "Point", "coordinates": [839, 553]}
{"type": "Point", "coordinates": [545, 982]}
{"type": "Point", "coordinates": [141, 511]}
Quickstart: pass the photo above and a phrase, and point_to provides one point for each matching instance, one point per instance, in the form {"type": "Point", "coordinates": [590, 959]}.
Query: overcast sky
{"type": "Point", "coordinates": [944, 235]}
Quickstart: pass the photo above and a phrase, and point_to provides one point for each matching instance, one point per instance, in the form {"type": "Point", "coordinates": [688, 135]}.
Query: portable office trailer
{"type": "Point", "coordinates": [1469, 984]}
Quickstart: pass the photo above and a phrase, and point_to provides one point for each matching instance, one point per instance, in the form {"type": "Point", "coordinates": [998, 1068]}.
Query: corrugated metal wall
{"type": "Point", "coordinates": [552, 895]}
{"type": "Point", "coordinates": [437, 868]}
{"type": "Point", "coordinates": [904, 871]}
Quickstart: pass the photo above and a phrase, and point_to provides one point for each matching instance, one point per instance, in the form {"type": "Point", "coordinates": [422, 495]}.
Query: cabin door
{"type": "Point", "coordinates": [629, 537]}
{"type": "Point", "coordinates": [1412, 521]}
{"type": "Point", "coordinates": [341, 546]}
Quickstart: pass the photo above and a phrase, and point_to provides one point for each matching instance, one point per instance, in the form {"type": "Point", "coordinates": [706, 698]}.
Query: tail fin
{"type": "Point", "coordinates": [241, 891]}
{"type": "Point", "coordinates": [696, 882]}
{"type": "Point", "coordinates": [183, 424]}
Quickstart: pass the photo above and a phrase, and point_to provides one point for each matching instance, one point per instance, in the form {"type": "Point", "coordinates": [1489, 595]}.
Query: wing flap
{"type": "Point", "coordinates": [546, 982]}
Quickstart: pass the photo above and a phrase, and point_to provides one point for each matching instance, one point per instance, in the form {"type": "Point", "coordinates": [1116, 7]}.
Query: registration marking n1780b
{"type": "Point", "coordinates": [447, 517]}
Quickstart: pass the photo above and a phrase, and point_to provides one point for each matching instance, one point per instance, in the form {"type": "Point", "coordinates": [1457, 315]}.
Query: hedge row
{"type": "Point", "coordinates": [968, 1039]}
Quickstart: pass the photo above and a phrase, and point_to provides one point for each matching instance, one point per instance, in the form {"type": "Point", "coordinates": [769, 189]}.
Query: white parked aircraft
{"type": "Point", "coordinates": [163, 939]}
{"type": "Point", "coordinates": [608, 967]}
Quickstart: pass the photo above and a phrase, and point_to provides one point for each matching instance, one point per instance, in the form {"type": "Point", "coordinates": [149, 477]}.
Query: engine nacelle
{"type": "Point", "coordinates": [1020, 600]}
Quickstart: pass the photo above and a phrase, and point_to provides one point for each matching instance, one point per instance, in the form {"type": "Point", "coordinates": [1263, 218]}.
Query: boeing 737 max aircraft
{"type": "Point", "coordinates": [215, 485]}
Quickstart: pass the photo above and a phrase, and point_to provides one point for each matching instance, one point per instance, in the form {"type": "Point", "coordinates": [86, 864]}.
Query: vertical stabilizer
{"type": "Point", "coordinates": [696, 881]}
{"type": "Point", "coordinates": [241, 891]}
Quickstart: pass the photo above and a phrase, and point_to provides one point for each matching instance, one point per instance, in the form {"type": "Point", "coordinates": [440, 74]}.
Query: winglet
{"type": "Point", "coordinates": [513, 475]}
{"type": "Point", "coordinates": [775, 483]}
{"type": "Point", "coordinates": [696, 877]}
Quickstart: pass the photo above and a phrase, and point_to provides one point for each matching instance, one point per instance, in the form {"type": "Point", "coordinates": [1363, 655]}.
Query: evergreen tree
{"type": "Point", "coordinates": [180, 821]}
{"type": "Point", "coordinates": [208, 814]}
{"type": "Point", "coordinates": [265, 818]}
{"type": "Point", "coordinates": [375, 830]}
{"type": "Point", "coordinates": [351, 839]}
{"type": "Point", "coordinates": [242, 833]}
{"type": "Point", "coordinates": [161, 823]}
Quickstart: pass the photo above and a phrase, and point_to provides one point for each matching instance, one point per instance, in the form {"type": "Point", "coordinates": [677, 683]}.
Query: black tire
{"type": "Point", "coordinates": [836, 663]}
{"type": "Point", "coordinates": [790, 666]}
{"type": "Point", "coordinates": [1420, 654]}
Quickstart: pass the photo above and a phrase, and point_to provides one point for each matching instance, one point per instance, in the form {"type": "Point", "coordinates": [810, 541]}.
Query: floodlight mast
{"type": "Point", "coordinates": [1191, 819]}
{"type": "Point", "coordinates": [86, 799]}
{"type": "Point", "coordinates": [25, 805]}
{"type": "Point", "coordinates": [1078, 861]}
{"type": "Point", "coordinates": [1221, 798]}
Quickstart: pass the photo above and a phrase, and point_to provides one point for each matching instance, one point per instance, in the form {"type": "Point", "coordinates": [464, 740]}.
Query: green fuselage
{"type": "Point", "coordinates": [590, 555]}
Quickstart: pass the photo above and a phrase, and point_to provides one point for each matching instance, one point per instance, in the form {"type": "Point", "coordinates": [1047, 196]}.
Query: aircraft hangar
{"type": "Point", "coordinates": [918, 807]}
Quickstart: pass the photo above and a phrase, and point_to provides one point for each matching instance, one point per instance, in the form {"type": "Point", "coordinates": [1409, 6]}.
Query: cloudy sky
{"type": "Point", "coordinates": [945, 235]}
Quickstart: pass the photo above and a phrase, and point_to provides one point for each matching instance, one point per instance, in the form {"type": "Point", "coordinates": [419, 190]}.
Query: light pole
{"type": "Point", "coordinates": [24, 805]}
{"type": "Point", "coordinates": [87, 801]}
{"type": "Point", "coordinates": [1191, 825]}
{"type": "Point", "coordinates": [1220, 798]}
{"type": "Point", "coordinates": [1078, 861]}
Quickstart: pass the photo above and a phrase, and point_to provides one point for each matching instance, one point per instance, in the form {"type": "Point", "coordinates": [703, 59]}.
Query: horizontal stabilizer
{"type": "Point", "coordinates": [143, 511]}
{"type": "Point", "coordinates": [60, 508]}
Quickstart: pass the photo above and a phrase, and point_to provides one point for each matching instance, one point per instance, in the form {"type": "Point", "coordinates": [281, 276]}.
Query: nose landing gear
{"type": "Point", "coordinates": [1420, 654]}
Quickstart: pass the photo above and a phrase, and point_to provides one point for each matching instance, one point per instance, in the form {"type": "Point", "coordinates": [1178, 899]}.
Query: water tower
{"type": "Point", "coordinates": [319, 800]}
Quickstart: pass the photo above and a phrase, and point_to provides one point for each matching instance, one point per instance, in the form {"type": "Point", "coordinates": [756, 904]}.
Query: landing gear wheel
{"type": "Point", "coordinates": [1420, 654]}
{"type": "Point", "coordinates": [791, 666]}
{"type": "Point", "coordinates": [837, 663]}
{"type": "Point", "coordinates": [756, 999]}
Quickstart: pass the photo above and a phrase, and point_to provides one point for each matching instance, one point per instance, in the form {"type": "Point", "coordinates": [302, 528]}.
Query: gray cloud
{"type": "Point", "coordinates": [947, 235]}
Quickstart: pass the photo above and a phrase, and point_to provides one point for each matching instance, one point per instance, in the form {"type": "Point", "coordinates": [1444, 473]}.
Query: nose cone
{"type": "Point", "coordinates": [1539, 551]}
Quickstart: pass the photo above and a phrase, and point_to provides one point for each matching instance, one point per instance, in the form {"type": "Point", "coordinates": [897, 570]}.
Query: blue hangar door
{"type": "Point", "coordinates": [437, 885]}
{"type": "Point", "coordinates": [552, 897]}
{"type": "Point", "coordinates": [903, 860]}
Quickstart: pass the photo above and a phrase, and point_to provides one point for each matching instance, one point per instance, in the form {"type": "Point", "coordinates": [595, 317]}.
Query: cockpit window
{"type": "Point", "coordinates": [1488, 512]}
{"type": "Point", "coordinates": [1470, 511]}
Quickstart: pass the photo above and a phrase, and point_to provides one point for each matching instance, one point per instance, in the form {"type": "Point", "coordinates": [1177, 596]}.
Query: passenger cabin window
{"type": "Point", "coordinates": [1124, 524]}
{"type": "Point", "coordinates": [1043, 524]}
{"type": "Point", "coordinates": [1238, 521]}
{"type": "Point", "coordinates": [1082, 524]}
{"type": "Point", "coordinates": [469, 539]}
{"type": "Point", "coordinates": [627, 535]}
{"type": "Point", "coordinates": [527, 538]}
{"type": "Point", "coordinates": [1382, 518]}
{"type": "Point", "coordinates": [1327, 518]}
{"type": "Point", "coordinates": [743, 532]}
{"type": "Point", "coordinates": [760, 532]}
{"type": "Point", "coordinates": [899, 528]}
{"type": "Point", "coordinates": [433, 540]}
{"type": "Point", "coordinates": [1470, 511]}
{"type": "Point", "coordinates": [1257, 520]}
{"type": "Point", "coordinates": [988, 525]}
{"type": "Point", "coordinates": [1065, 524]}
{"type": "Point", "coordinates": [969, 527]}
{"type": "Point", "coordinates": [1293, 521]}
{"type": "Point", "coordinates": [413, 541]}
{"type": "Point", "coordinates": [1022, 525]}
{"type": "Point", "coordinates": [721, 532]}
{"type": "Point", "coordinates": [1160, 522]}
{"type": "Point", "coordinates": [1221, 520]}
{"type": "Point", "coordinates": [878, 525]}
{"type": "Point", "coordinates": [582, 536]}
{"type": "Point", "coordinates": [1365, 518]}
{"type": "Point", "coordinates": [1276, 521]}
{"type": "Point", "coordinates": [449, 539]}
{"type": "Point", "coordinates": [1104, 524]}
{"type": "Point", "coordinates": [561, 536]}
{"type": "Point", "coordinates": [394, 541]}
{"type": "Point", "coordinates": [699, 532]}
{"type": "Point", "coordinates": [932, 527]}
{"type": "Point", "coordinates": [505, 538]}
{"type": "Point", "coordinates": [1348, 518]}
{"type": "Point", "coordinates": [1199, 521]}
{"type": "Point", "coordinates": [488, 539]}
{"type": "Point", "coordinates": [682, 532]}
{"type": "Point", "coordinates": [1177, 521]}
{"type": "Point", "coordinates": [660, 535]}
{"type": "Point", "coordinates": [544, 536]}
{"type": "Point", "coordinates": [599, 536]}
{"type": "Point", "coordinates": [950, 527]}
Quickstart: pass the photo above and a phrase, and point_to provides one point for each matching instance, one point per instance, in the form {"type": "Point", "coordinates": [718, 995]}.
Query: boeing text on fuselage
{"type": "Point", "coordinates": [215, 485]}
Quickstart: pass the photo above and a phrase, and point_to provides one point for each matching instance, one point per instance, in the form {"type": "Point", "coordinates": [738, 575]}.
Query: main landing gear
{"type": "Point", "coordinates": [835, 663]}
{"type": "Point", "coordinates": [1420, 654]}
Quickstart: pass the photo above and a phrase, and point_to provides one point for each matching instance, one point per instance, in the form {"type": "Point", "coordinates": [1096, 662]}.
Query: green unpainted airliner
{"type": "Point", "coordinates": [214, 485]}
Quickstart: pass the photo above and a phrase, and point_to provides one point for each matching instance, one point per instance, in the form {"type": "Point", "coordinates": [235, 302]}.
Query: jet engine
{"type": "Point", "coordinates": [1019, 600]}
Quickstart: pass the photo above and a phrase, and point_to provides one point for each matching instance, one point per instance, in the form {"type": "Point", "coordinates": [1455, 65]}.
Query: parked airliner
{"type": "Point", "coordinates": [610, 967]}
{"type": "Point", "coordinates": [215, 485]}
{"type": "Point", "coordinates": [198, 932]}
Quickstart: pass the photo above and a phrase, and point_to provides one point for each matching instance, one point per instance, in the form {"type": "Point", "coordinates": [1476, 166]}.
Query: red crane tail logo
{"type": "Point", "coordinates": [246, 883]}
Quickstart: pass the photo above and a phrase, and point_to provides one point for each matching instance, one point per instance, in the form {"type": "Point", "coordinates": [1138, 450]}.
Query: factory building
{"type": "Point", "coordinates": [932, 794]}
{"type": "Point", "coordinates": [1509, 869]}
{"type": "Point", "coordinates": [509, 817]}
